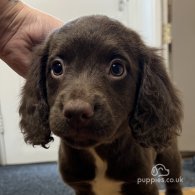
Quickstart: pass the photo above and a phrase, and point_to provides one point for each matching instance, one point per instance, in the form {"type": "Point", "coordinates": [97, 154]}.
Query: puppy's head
{"type": "Point", "coordinates": [94, 80]}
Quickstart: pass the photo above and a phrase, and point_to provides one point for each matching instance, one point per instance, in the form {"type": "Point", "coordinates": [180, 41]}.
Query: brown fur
{"type": "Point", "coordinates": [131, 120]}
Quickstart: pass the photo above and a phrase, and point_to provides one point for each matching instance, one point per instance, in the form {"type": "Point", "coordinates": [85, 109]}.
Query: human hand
{"type": "Point", "coordinates": [28, 28]}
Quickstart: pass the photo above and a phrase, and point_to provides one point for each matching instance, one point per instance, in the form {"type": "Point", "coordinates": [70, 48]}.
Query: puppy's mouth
{"type": "Point", "coordinates": [81, 143]}
{"type": "Point", "coordinates": [84, 138]}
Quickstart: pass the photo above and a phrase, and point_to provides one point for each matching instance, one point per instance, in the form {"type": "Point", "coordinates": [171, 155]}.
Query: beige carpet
{"type": "Point", "coordinates": [188, 191]}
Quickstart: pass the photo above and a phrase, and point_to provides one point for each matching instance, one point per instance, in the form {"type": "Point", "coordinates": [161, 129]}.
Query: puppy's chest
{"type": "Point", "coordinates": [102, 185]}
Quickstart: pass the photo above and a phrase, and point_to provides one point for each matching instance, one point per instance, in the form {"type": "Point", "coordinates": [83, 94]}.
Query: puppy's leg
{"type": "Point", "coordinates": [171, 159]}
{"type": "Point", "coordinates": [140, 180]}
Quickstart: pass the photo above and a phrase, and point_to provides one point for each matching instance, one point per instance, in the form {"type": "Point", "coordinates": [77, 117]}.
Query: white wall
{"type": "Point", "coordinates": [70, 9]}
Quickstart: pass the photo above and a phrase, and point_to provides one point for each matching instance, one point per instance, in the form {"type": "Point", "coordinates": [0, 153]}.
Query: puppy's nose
{"type": "Point", "coordinates": [78, 113]}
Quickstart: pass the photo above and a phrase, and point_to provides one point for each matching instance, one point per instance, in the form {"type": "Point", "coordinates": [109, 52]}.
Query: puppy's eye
{"type": "Point", "coordinates": [57, 68]}
{"type": "Point", "coordinates": [117, 69]}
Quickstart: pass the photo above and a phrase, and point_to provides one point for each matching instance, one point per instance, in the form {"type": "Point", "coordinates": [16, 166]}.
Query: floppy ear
{"type": "Point", "coordinates": [34, 110]}
{"type": "Point", "coordinates": [158, 113]}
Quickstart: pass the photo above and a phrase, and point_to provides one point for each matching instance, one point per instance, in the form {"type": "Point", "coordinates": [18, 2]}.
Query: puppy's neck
{"type": "Point", "coordinates": [117, 146]}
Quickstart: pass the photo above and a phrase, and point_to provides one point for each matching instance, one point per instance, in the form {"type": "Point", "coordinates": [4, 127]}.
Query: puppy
{"type": "Point", "coordinates": [97, 86]}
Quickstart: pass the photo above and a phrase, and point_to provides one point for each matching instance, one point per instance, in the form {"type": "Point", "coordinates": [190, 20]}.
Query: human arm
{"type": "Point", "coordinates": [21, 29]}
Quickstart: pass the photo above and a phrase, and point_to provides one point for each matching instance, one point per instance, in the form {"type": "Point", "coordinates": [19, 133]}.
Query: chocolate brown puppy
{"type": "Point", "coordinates": [97, 86]}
